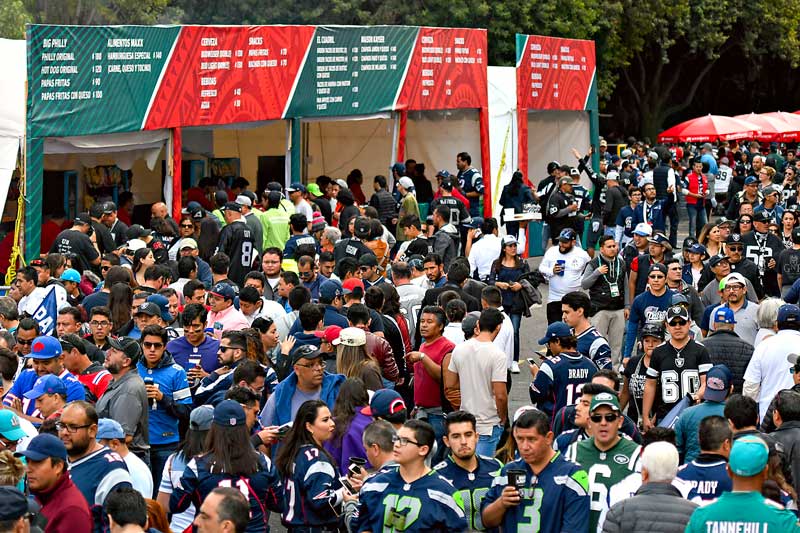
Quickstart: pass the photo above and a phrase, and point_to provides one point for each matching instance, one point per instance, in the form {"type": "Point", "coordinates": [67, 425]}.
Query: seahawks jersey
{"type": "Point", "coordinates": [559, 381]}
{"type": "Point", "coordinates": [605, 469]}
{"type": "Point", "coordinates": [704, 479]}
{"type": "Point", "coordinates": [677, 373]}
{"type": "Point", "coordinates": [594, 346]}
{"type": "Point", "coordinates": [237, 242]}
{"type": "Point", "coordinates": [473, 486]}
{"type": "Point", "coordinates": [554, 501]}
{"type": "Point", "coordinates": [312, 491]}
{"type": "Point", "coordinates": [388, 504]}
{"type": "Point", "coordinates": [263, 489]}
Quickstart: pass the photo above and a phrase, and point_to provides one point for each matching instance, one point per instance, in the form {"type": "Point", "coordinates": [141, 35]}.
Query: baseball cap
{"type": "Point", "coordinates": [678, 299]}
{"type": "Point", "coordinates": [350, 284]}
{"type": "Point", "coordinates": [724, 315]}
{"type": "Point", "coordinates": [163, 306]}
{"type": "Point", "coordinates": [444, 173]}
{"type": "Point", "coordinates": [643, 229]}
{"type": "Point", "coordinates": [38, 262]}
{"type": "Point", "coordinates": [14, 504]}
{"type": "Point", "coordinates": [368, 260]}
{"type": "Point", "coordinates": [83, 219]}
{"type": "Point", "coordinates": [72, 275]}
{"type": "Point", "coordinates": [657, 267]}
{"type": "Point", "coordinates": [308, 351]}
{"type": "Point", "coordinates": [612, 175]}
{"type": "Point", "coordinates": [760, 216]}
{"type": "Point", "coordinates": [605, 398]}
{"type": "Point", "coordinates": [330, 289]}
{"type": "Point", "coordinates": [733, 238]}
{"type": "Point", "coordinates": [724, 222]}
{"type": "Point", "coordinates": [555, 331]}
{"type": "Point", "coordinates": [136, 231]}
{"type": "Point", "coordinates": [109, 207]}
{"type": "Point", "coordinates": [148, 308]}
{"type": "Point", "coordinates": [136, 244]}
{"type": "Point", "coordinates": [567, 234]}
{"type": "Point", "coordinates": [717, 259]}
{"type": "Point", "coordinates": [659, 238]}
{"type": "Point", "coordinates": [399, 168]}
{"type": "Point", "coordinates": [406, 182]}
{"type": "Point", "coordinates": [188, 242]}
{"type": "Point", "coordinates": [574, 172]}
{"type": "Point", "coordinates": [770, 190]}
{"type": "Point", "coordinates": [244, 200]}
{"type": "Point", "coordinates": [652, 330]}
{"type": "Point", "coordinates": [697, 248]}
{"type": "Point", "coordinates": [231, 206]}
{"type": "Point", "coordinates": [49, 384]}
{"type": "Point", "coordinates": [565, 179]}
{"type": "Point", "coordinates": [718, 383]}
{"type": "Point", "coordinates": [447, 184]}
{"type": "Point", "coordinates": [789, 313]}
{"type": "Point", "coordinates": [201, 417]}
{"type": "Point", "coordinates": [229, 413]}
{"type": "Point", "coordinates": [614, 158]}
{"type": "Point", "coordinates": [677, 311]}
{"type": "Point", "coordinates": [314, 189]}
{"type": "Point", "coordinates": [45, 347]}
{"type": "Point", "coordinates": [130, 347]}
{"type": "Point", "coordinates": [108, 428]}
{"type": "Point", "coordinates": [329, 334]}
{"type": "Point", "coordinates": [352, 337]}
{"type": "Point", "coordinates": [510, 239]}
{"type": "Point", "coordinates": [735, 277]}
{"type": "Point", "coordinates": [10, 427]}
{"type": "Point", "coordinates": [603, 142]}
{"type": "Point", "coordinates": [552, 165]}
{"type": "Point", "coordinates": [295, 187]}
{"type": "Point", "coordinates": [748, 456]}
{"type": "Point", "coordinates": [473, 223]}
{"type": "Point", "coordinates": [223, 290]}
{"type": "Point", "coordinates": [43, 446]}
{"type": "Point", "coordinates": [749, 180]}
{"type": "Point", "coordinates": [469, 322]}
{"type": "Point", "coordinates": [384, 402]}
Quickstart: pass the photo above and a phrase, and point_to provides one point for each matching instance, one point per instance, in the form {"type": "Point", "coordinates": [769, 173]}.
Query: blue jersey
{"type": "Point", "coordinates": [471, 180]}
{"type": "Point", "coordinates": [263, 489]}
{"type": "Point", "coordinates": [645, 309]}
{"type": "Point", "coordinates": [313, 491]}
{"type": "Point", "coordinates": [704, 479]}
{"type": "Point", "coordinates": [388, 504]}
{"type": "Point", "coordinates": [554, 501]}
{"type": "Point", "coordinates": [625, 221]}
{"type": "Point", "coordinates": [96, 475]}
{"type": "Point", "coordinates": [559, 381]}
{"type": "Point", "coordinates": [171, 380]}
{"type": "Point", "coordinates": [298, 240]}
{"type": "Point", "coordinates": [562, 442]}
{"type": "Point", "coordinates": [473, 486]}
{"type": "Point", "coordinates": [24, 383]}
{"type": "Point", "coordinates": [595, 347]}
{"type": "Point", "coordinates": [188, 356]}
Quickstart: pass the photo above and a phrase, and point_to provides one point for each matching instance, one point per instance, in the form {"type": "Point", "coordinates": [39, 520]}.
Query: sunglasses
{"type": "Point", "coordinates": [187, 225]}
{"type": "Point", "coordinates": [157, 345]}
{"type": "Point", "coordinates": [25, 342]}
{"type": "Point", "coordinates": [678, 323]}
{"type": "Point", "coordinates": [735, 248]}
{"type": "Point", "coordinates": [658, 276]}
{"type": "Point", "coordinates": [745, 221]}
{"type": "Point", "coordinates": [609, 417]}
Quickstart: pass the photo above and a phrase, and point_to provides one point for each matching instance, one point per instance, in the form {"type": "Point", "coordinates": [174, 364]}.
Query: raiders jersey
{"type": "Point", "coordinates": [458, 211]}
{"type": "Point", "coordinates": [237, 242]}
{"type": "Point", "coordinates": [677, 373]}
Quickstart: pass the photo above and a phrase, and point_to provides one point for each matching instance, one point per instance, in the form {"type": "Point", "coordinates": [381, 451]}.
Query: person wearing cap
{"type": "Point", "coordinates": [563, 266]}
{"type": "Point", "coordinates": [768, 371]}
{"type": "Point", "coordinates": [726, 347]}
{"type": "Point", "coordinates": [237, 241]}
{"type": "Point", "coordinates": [749, 194]}
{"type": "Point", "coordinates": [445, 196]}
{"type": "Point", "coordinates": [47, 358]}
{"type": "Point", "coordinates": [188, 248]}
{"type": "Point", "coordinates": [252, 221]}
{"type": "Point", "coordinates": [648, 307]}
{"type": "Point", "coordinates": [72, 280]}
{"type": "Point", "coordinates": [275, 221]}
{"type": "Point", "coordinates": [408, 204]}
{"type": "Point", "coordinates": [639, 243]}
{"type": "Point", "coordinates": [50, 395]}
{"type": "Point", "coordinates": [224, 316]}
{"type": "Point", "coordinates": [771, 205]}
{"type": "Point", "coordinates": [677, 368]}
{"type": "Point", "coordinates": [111, 435]}
{"type": "Point", "coordinates": [219, 467]}
{"type": "Point", "coordinates": [319, 202]}
{"type": "Point", "coordinates": [658, 251]}
{"type": "Point", "coordinates": [371, 272]}
{"type": "Point", "coordinates": [297, 192]}
{"type": "Point", "coordinates": [635, 371]}
{"type": "Point", "coordinates": [763, 248]}
{"type": "Point", "coordinates": [17, 511]}
{"type": "Point", "coordinates": [719, 385]}
{"type": "Point", "coordinates": [471, 182]}
{"type": "Point", "coordinates": [94, 377]}
{"type": "Point", "coordinates": [105, 241]}
{"type": "Point", "coordinates": [741, 264]}
{"type": "Point", "coordinates": [745, 311]}
{"type": "Point", "coordinates": [679, 286]}
{"type": "Point", "coordinates": [744, 508]}
{"type": "Point", "coordinates": [562, 207]}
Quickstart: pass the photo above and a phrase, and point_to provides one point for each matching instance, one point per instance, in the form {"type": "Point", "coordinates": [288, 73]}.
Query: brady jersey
{"type": "Point", "coordinates": [677, 373]}
{"type": "Point", "coordinates": [263, 489]}
{"type": "Point", "coordinates": [24, 383]}
{"type": "Point", "coordinates": [555, 501]}
{"type": "Point", "coordinates": [96, 475]}
{"type": "Point", "coordinates": [703, 481]}
{"type": "Point", "coordinates": [388, 504]}
{"type": "Point", "coordinates": [237, 242]}
{"type": "Point", "coordinates": [312, 491]}
{"type": "Point", "coordinates": [472, 486]}
{"type": "Point", "coordinates": [595, 347]}
{"type": "Point", "coordinates": [559, 381]}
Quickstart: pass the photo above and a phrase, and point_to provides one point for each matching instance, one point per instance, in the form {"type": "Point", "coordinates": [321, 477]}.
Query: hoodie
{"type": "Point", "coordinates": [176, 403]}
{"type": "Point", "coordinates": [446, 242]}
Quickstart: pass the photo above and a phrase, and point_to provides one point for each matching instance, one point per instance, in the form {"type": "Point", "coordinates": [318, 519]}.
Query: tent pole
{"type": "Point", "coordinates": [295, 151]}
{"type": "Point", "coordinates": [174, 173]}
{"type": "Point", "coordinates": [34, 184]}
{"type": "Point", "coordinates": [486, 167]}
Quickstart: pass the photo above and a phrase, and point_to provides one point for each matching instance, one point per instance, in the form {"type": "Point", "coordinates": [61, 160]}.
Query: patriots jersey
{"type": "Point", "coordinates": [263, 489]}
{"type": "Point", "coordinates": [96, 475]}
{"type": "Point", "coordinates": [702, 481]}
{"type": "Point", "coordinates": [595, 347]}
{"type": "Point", "coordinates": [559, 381]}
{"type": "Point", "coordinates": [313, 490]}
{"type": "Point", "coordinates": [388, 504]}
{"type": "Point", "coordinates": [554, 501]}
{"type": "Point", "coordinates": [473, 486]}
{"type": "Point", "coordinates": [24, 383]}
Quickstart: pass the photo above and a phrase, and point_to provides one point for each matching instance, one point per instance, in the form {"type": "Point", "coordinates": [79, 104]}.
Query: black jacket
{"type": "Point", "coordinates": [655, 508]}
{"type": "Point", "coordinates": [727, 348]}
{"type": "Point", "coordinates": [788, 439]}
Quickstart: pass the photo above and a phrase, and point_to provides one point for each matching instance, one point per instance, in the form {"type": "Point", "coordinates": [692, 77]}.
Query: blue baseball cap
{"type": "Point", "coordinates": [554, 331]}
{"type": "Point", "coordinates": [330, 289]}
{"type": "Point", "coordinates": [43, 446]}
{"type": "Point", "coordinates": [296, 187]}
{"type": "Point", "coordinates": [748, 456]}
{"type": "Point", "coordinates": [384, 402]}
{"type": "Point", "coordinates": [678, 299]}
{"type": "Point", "coordinates": [400, 168]}
{"type": "Point", "coordinates": [108, 428]}
{"type": "Point", "coordinates": [163, 305]}
{"type": "Point", "coordinates": [724, 315]}
{"type": "Point", "coordinates": [567, 234]}
{"type": "Point", "coordinates": [9, 426]}
{"type": "Point", "coordinates": [474, 223]}
{"type": "Point", "coordinates": [72, 275]}
{"type": "Point", "coordinates": [14, 504]}
{"type": "Point", "coordinates": [229, 413]}
{"type": "Point", "coordinates": [49, 384]}
{"type": "Point", "coordinates": [789, 313]}
{"type": "Point", "coordinates": [750, 180]}
{"type": "Point", "coordinates": [718, 383]}
{"type": "Point", "coordinates": [223, 290]}
{"type": "Point", "coordinates": [45, 347]}
{"type": "Point", "coordinates": [697, 248]}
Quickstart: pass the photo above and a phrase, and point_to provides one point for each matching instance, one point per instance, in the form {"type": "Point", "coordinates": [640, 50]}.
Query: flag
{"type": "Point", "coordinates": [672, 417]}
{"type": "Point", "coordinates": [47, 313]}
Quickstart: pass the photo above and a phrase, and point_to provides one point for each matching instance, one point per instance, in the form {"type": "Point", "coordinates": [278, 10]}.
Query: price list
{"type": "Point", "coordinates": [440, 51]}
{"type": "Point", "coordinates": [542, 59]}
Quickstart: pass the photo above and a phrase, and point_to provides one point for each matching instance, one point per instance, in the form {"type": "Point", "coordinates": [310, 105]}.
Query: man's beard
{"type": "Point", "coordinates": [113, 368]}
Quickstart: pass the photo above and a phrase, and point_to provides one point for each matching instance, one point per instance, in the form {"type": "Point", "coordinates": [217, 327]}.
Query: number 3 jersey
{"type": "Point", "coordinates": [677, 373]}
{"type": "Point", "coordinates": [473, 486]}
{"type": "Point", "coordinates": [555, 501]}
{"type": "Point", "coordinates": [388, 504]}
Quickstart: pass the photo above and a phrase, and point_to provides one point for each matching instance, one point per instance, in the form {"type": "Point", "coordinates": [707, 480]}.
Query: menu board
{"type": "Point", "coordinates": [554, 73]}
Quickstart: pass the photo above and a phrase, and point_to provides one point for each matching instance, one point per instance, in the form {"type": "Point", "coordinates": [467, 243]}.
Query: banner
{"type": "Point", "coordinates": [47, 313]}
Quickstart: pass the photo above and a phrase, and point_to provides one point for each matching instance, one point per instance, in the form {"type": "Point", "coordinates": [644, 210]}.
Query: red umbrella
{"type": "Point", "coordinates": [708, 129]}
{"type": "Point", "coordinates": [773, 127]}
{"type": "Point", "coordinates": [793, 132]}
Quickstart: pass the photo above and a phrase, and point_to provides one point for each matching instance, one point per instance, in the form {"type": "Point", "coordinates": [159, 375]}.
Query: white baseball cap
{"type": "Point", "coordinates": [643, 229]}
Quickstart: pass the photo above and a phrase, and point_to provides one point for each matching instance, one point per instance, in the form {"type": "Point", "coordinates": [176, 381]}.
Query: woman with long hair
{"type": "Point", "coordinates": [504, 274]}
{"type": "Point", "coordinates": [788, 223]}
{"type": "Point", "coordinates": [514, 196]}
{"type": "Point", "coordinates": [311, 485]}
{"type": "Point", "coordinates": [744, 224]}
{"type": "Point", "coordinates": [353, 360]}
{"type": "Point", "coordinates": [156, 517]}
{"type": "Point", "coordinates": [350, 423]}
{"type": "Point", "coordinates": [142, 259]}
{"type": "Point", "coordinates": [257, 353]}
{"type": "Point", "coordinates": [231, 461]}
{"type": "Point", "coordinates": [373, 299]}
{"type": "Point", "coordinates": [711, 238]}
{"type": "Point", "coordinates": [208, 237]}
{"type": "Point", "coordinates": [120, 301]}
{"type": "Point", "coordinates": [185, 231]}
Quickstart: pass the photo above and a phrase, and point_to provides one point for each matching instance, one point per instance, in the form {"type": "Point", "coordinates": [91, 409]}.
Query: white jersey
{"type": "Point", "coordinates": [723, 179]}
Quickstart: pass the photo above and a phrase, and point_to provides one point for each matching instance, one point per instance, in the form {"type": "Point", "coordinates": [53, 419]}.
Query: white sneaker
{"type": "Point", "coordinates": [515, 368]}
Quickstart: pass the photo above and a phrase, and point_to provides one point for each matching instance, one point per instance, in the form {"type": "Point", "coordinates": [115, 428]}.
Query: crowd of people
{"type": "Point", "coordinates": [345, 362]}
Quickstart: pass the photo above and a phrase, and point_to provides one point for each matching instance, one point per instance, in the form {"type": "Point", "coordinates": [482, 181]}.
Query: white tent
{"type": "Point", "coordinates": [502, 130]}
{"type": "Point", "coordinates": [12, 110]}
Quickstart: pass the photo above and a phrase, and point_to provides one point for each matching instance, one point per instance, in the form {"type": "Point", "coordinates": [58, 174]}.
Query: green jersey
{"type": "Point", "coordinates": [742, 511]}
{"type": "Point", "coordinates": [605, 470]}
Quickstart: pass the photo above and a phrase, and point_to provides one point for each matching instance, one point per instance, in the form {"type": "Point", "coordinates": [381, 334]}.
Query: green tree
{"type": "Point", "coordinates": [13, 17]}
{"type": "Point", "coordinates": [89, 12]}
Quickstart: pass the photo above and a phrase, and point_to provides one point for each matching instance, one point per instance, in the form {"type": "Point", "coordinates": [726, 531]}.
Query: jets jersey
{"type": "Point", "coordinates": [559, 381]}
{"type": "Point", "coordinates": [313, 490]}
{"type": "Point", "coordinates": [263, 489]}
{"type": "Point", "coordinates": [237, 242]}
{"type": "Point", "coordinates": [555, 501]}
{"type": "Point", "coordinates": [96, 475]}
{"type": "Point", "coordinates": [388, 504]}
{"type": "Point", "coordinates": [605, 469]}
{"type": "Point", "coordinates": [473, 486]}
{"type": "Point", "coordinates": [704, 479]}
{"type": "Point", "coordinates": [594, 346]}
{"type": "Point", "coordinates": [677, 373]}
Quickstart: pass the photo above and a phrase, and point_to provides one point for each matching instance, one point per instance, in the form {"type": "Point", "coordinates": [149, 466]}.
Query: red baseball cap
{"type": "Point", "coordinates": [329, 334]}
{"type": "Point", "coordinates": [351, 283]}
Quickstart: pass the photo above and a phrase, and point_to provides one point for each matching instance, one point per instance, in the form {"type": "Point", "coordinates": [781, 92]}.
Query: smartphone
{"type": "Point", "coordinates": [284, 429]}
{"type": "Point", "coordinates": [354, 469]}
{"type": "Point", "coordinates": [531, 361]}
{"type": "Point", "coordinates": [347, 485]}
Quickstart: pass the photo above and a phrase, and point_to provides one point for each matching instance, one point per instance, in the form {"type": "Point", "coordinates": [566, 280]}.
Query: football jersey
{"type": "Point", "coordinates": [96, 475]}
{"type": "Point", "coordinates": [263, 489]}
{"type": "Point", "coordinates": [559, 381]}
{"type": "Point", "coordinates": [25, 382]}
{"type": "Point", "coordinates": [554, 501]}
{"type": "Point", "coordinates": [237, 242]}
{"type": "Point", "coordinates": [472, 486]}
{"type": "Point", "coordinates": [677, 373]}
{"type": "Point", "coordinates": [595, 347]}
{"type": "Point", "coordinates": [703, 480]}
{"type": "Point", "coordinates": [312, 491]}
{"type": "Point", "coordinates": [605, 469]}
{"type": "Point", "coordinates": [388, 504]}
{"type": "Point", "coordinates": [458, 211]}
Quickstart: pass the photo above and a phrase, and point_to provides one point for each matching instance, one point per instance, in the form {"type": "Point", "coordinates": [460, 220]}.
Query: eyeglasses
{"type": "Point", "coordinates": [98, 324]}
{"type": "Point", "coordinates": [157, 345]}
{"type": "Point", "coordinates": [678, 323]}
{"type": "Point", "coordinates": [25, 342]}
{"type": "Point", "coordinates": [69, 428]}
{"type": "Point", "coordinates": [402, 441]}
{"type": "Point", "coordinates": [309, 273]}
{"type": "Point", "coordinates": [187, 226]}
{"type": "Point", "coordinates": [656, 276]}
{"type": "Point", "coordinates": [733, 287]}
{"type": "Point", "coordinates": [609, 417]}
{"type": "Point", "coordinates": [313, 366]}
{"type": "Point", "coordinates": [9, 444]}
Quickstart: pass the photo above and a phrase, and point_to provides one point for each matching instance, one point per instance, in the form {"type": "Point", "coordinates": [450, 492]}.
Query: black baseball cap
{"type": "Point", "coordinates": [306, 352]}
{"type": "Point", "coordinates": [130, 347]}
{"type": "Point", "coordinates": [14, 505]}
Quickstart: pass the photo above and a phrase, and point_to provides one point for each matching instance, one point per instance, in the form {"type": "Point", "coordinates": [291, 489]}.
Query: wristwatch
{"type": "Point", "coordinates": [421, 356]}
